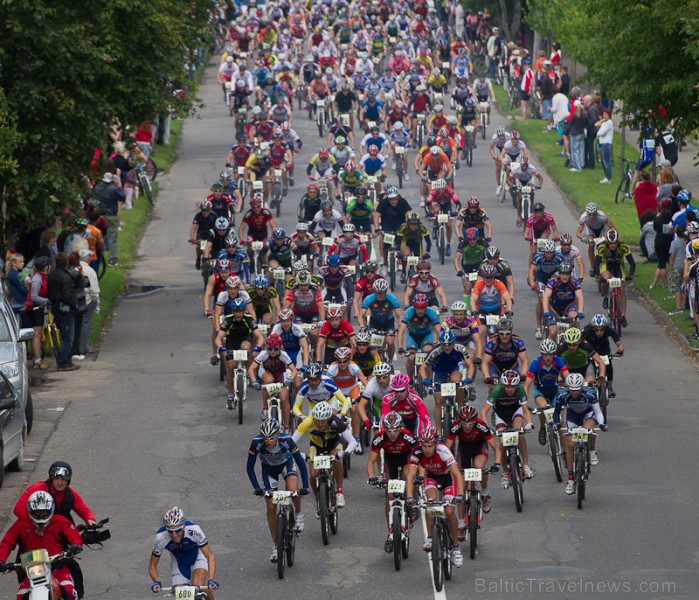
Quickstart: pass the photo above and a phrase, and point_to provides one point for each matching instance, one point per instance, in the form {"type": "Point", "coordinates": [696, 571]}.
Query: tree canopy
{"type": "Point", "coordinates": [69, 69]}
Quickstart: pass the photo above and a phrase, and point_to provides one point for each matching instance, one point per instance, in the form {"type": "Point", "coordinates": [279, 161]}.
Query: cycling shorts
{"type": "Point", "coordinates": [574, 419]}
{"type": "Point", "coordinates": [394, 463]}
{"type": "Point", "coordinates": [548, 392]}
{"type": "Point", "coordinates": [581, 370]}
{"type": "Point", "coordinates": [308, 318]}
{"type": "Point", "coordinates": [468, 452]}
{"type": "Point", "coordinates": [415, 340]}
{"type": "Point", "coordinates": [347, 260]}
{"type": "Point", "coordinates": [234, 343]}
{"type": "Point", "coordinates": [494, 371]}
{"type": "Point", "coordinates": [614, 268]}
{"type": "Point", "coordinates": [327, 447]}
{"type": "Point", "coordinates": [506, 419]}
{"type": "Point", "coordinates": [562, 311]}
{"type": "Point", "coordinates": [278, 375]}
{"type": "Point", "coordinates": [443, 376]}
{"type": "Point", "coordinates": [270, 474]}
{"type": "Point", "coordinates": [444, 482]}
{"type": "Point", "coordinates": [200, 562]}
{"type": "Point", "coordinates": [374, 325]}
{"type": "Point", "coordinates": [336, 296]}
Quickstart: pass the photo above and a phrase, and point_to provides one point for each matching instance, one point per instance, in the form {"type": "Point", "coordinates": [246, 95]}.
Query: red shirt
{"type": "Point", "coordinates": [257, 222]}
{"type": "Point", "coordinates": [365, 286]}
{"type": "Point", "coordinates": [479, 434]}
{"type": "Point", "coordinates": [337, 337]}
{"type": "Point", "coordinates": [53, 539]}
{"type": "Point", "coordinates": [443, 197]}
{"type": "Point", "coordinates": [145, 133]}
{"type": "Point", "coordinates": [403, 445]}
{"type": "Point", "coordinates": [79, 506]}
{"type": "Point", "coordinates": [644, 198]}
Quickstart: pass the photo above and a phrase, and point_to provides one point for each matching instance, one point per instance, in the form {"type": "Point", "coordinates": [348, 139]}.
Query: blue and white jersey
{"type": "Point", "coordinates": [370, 140]}
{"type": "Point", "coordinates": [578, 407]}
{"type": "Point", "coordinates": [545, 268]}
{"type": "Point", "coordinates": [325, 392]}
{"type": "Point", "coordinates": [388, 83]}
{"type": "Point", "coordinates": [291, 340]}
{"type": "Point", "coordinates": [399, 138]}
{"type": "Point", "coordinates": [372, 164]}
{"type": "Point", "coordinates": [185, 551]}
{"type": "Point", "coordinates": [543, 376]}
{"type": "Point", "coordinates": [240, 262]}
{"type": "Point", "coordinates": [374, 88]}
{"type": "Point", "coordinates": [447, 362]}
{"type": "Point", "coordinates": [273, 457]}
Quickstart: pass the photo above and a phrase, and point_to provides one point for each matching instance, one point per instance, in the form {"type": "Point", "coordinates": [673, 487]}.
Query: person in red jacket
{"type": "Point", "coordinates": [42, 529]}
{"type": "Point", "coordinates": [66, 500]}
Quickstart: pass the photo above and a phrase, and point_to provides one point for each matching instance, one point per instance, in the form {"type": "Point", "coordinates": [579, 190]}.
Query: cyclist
{"type": "Point", "coordinates": [404, 400]}
{"type": "Point", "coordinates": [279, 456]}
{"type": "Point", "coordinates": [578, 354]}
{"type": "Point", "coordinates": [232, 290]}
{"type": "Point", "coordinates": [216, 240]}
{"type": "Point", "coordinates": [264, 299]}
{"type": "Point", "coordinates": [203, 225]}
{"type": "Point", "coordinates": [597, 333]}
{"type": "Point", "coordinates": [345, 103]}
{"type": "Point", "coordinates": [544, 374]}
{"type": "Point", "coordinates": [489, 297]}
{"type": "Point", "coordinates": [412, 239]}
{"type": "Point", "coordinates": [474, 437]}
{"type": "Point", "coordinates": [238, 331]}
{"type": "Point", "coordinates": [326, 220]}
{"type": "Point", "coordinates": [522, 173]}
{"type": "Point", "coordinates": [306, 302]}
{"type": "Point", "coordinates": [279, 249]}
{"type": "Point", "coordinates": [400, 137]}
{"type": "Point", "coordinates": [397, 444]}
{"type": "Point", "coordinates": [322, 165]}
{"type": "Point", "coordinates": [310, 203]}
{"type": "Point", "coordinates": [609, 262]}
{"type": "Point", "coordinates": [497, 143]}
{"type": "Point", "coordinates": [193, 561]}
{"type": "Point", "coordinates": [373, 163]}
{"type": "Point", "coordinates": [239, 154]}
{"type": "Point", "coordinates": [380, 312]}
{"type": "Point", "coordinates": [326, 432]}
{"type": "Point", "coordinates": [281, 156]}
{"type": "Point", "coordinates": [447, 363]}
{"type": "Point", "coordinates": [437, 119]}
{"type": "Point", "coordinates": [294, 339]}
{"type": "Point", "coordinates": [541, 225]}
{"type": "Point", "coordinates": [592, 225]}
{"type": "Point", "coordinates": [435, 462]}
{"type": "Point", "coordinates": [468, 258]}
{"type": "Point", "coordinates": [237, 256]}
{"type": "Point", "coordinates": [230, 188]}
{"type": "Point", "coordinates": [296, 268]}
{"type": "Point", "coordinates": [348, 377]}
{"type": "Point", "coordinates": [341, 131]}
{"type": "Point", "coordinates": [474, 216]}
{"type": "Point", "coordinates": [365, 285]}
{"type": "Point", "coordinates": [365, 357]}
{"type": "Point", "coordinates": [348, 247]}
{"type": "Point", "coordinates": [509, 403]}
{"type": "Point", "coordinates": [316, 388]}
{"type": "Point", "coordinates": [418, 104]}
{"type": "Point", "coordinates": [503, 270]}
{"type": "Point", "coordinates": [440, 200]}
{"type": "Point", "coordinates": [377, 387]}
{"type": "Point", "coordinates": [563, 297]}
{"type": "Point", "coordinates": [425, 283]}
{"type": "Point", "coordinates": [335, 333]}
{"type": "Point", "coordinates": [215, 285]}
{"type": "Point", "coordinates": [257, 220]}
{"type": "Point", "coordinates": [435, 165]}
{"type": "Point", "coordinates": [349, 179]}
{"type": "Point", "coordinates": [390, 215]}
{"type": "Point", "coordinates": [543, 267]}
{"type": "Point", "coordinates": [371, 110]}
{"type": "Point", "coordinates": [512, 149]}
{"type": "Point", "coordinates": [304, 245]}
{"type": "Point", "coordinates": [341, 152]}
{"type": "Point", "coordinates": [334, 275]}
{"type": "Point", "coordinates": [504, 352]}
{"type": "Point", "coordinates": [465, 328]}
{"type": "Point", "coordinates": [359, 210]}
{"type": "Point", "coordinates": [582, 410]}
{"type": "Point", "coordinates": [418, 329]}
{"type": "Point", "coordinates": [571, 255]}
{"type": "Point", "coordinates": [259, 168]}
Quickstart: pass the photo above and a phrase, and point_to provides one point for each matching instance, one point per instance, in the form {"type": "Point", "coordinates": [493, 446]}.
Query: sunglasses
{"type": "Point", "coordinates": [175, 531]}
{"type": "Point", "coordinates": [423, 272]}
{"type": "Point", "coordinates": [276, 349]}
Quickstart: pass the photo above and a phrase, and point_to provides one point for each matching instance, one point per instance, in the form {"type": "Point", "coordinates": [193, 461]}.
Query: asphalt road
{"type": "Point", "coordinates": [145, 428]}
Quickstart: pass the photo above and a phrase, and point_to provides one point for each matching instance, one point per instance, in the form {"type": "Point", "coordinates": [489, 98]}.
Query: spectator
{"type": "Point", "coordinates": [48, 246]}
{"type": "Point", "coordinates": [593, 112]}
{"type": "Point", "coordinates": [560, 109]}
{"type": "Point", "coordinates": [666, 147]}
{"type": "Point", "coordinates": [548, 87]}
{"type": "Point", "coordinates": [526, 88]}
{"type": "Point", "coordinates": [144, 138]}
{"type": "Point", "coordinates": [663, 239]}
{"type": "Point", "coordinates": [539, 64]}
{"type": "Point", "coordinates": [37, 300]}
{"type": "Point", "coordinates": [605, 135]}
{"type": "Point", "coordinates": [666, 180]}
{"type": "Point", "coordinates": [564, 86]}
{"type": "Point", "coordinates": [676, 263]}
{"type": "Point", "coordinates": [556, 54]}
{"type": "Point", "coordinates": [93, 302]}
{"type": "Point", "coordinates": [17, 288]}
{"type": "Point", "coordinates": [111, 198]}
{"type": "Point", "coordinates": [81, 282]}
{"type": "Point", "coordinates": [125, 171]}
{"type": "Point", "coordinates": [647, 241]}
{"type": "Point", "coordinates": [578, 123]}
{"type": "Point", "coordinates": [64, 305]}
{"type": "Point", "coordinates": [644, 195]}
{"type": "Point", "coordinates": [646, 146]}
{"type": "Point", "coordinates": [95, 237]}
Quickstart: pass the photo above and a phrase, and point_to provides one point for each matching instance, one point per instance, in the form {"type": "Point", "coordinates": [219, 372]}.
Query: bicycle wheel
{"type": "Point", "coordinates": [484, 126]}
{"type": "Point", "coordinates": [469, 155]}
{"type": "Point", "coordinates": [151, 169]}
{"type": "Point", "coordinates": [291, 542]}
{"type": "Point", "coordinates": [473, 510]}
{"type": "Point", "coordinates": [241, 387]}
{"type": "Point", "coordinates": [397, 538]}
{"type": "Point", "coordinates": [222, 368]}
{"type": "Point", "coordinates": [392, 269]}
{"type": "Point", "coordinates": [442, 244]}
{"type": "Point", "coordinates": [323, 511]}
{"type": "Point", "coordinates": [447, 420]}
{"type": "Point", "coordinates": [503, 186]}
{"type": "Point", "coordinates": [446, 555]}
{"type": "Point", "coordinates": [622, 189]}
{"type": "Point", "coordinates": [55, 336]}
{"type": "Point", "coordinates": [516, 482]}
{"type": "Point", "coordinates": [437, 566]}
{"type": "Point", "coordinates": [603, 397]}
{"type": "Point", "coordinates": [580, 476]}
{"type": "Point", "coordinates": [405, 539]}
{"type": "Point", "coordinates": [615, 313]}
{"type": "Point", "coordinates": [525, 209]}
{"type": "Point", "coordinates": [555, 451]}
{"type": "Point", "coordinates": [281, 544]}
{"type": "Point", "coordinates": [399, 172]}
{"type": "Point", "coordinates": [101, 265]}
{"type": "Point", "coordinates": [147, 190]}
{"type": "Point", "coordinates": [333, 513]}
{"type": "Point", "coordinates": [345, 464]}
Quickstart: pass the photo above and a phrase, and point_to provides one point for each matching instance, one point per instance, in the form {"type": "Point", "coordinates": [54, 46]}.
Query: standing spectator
{"type": "Point", "coordinates": [644, 195]}
{"type": "Point", "coordinates": [666, 147]}
{"type": "Point", "coordinates": [605, 135]}
{"type": "Point", "coordinates": [663, 239]}
{"type": "Point", "coordinates": [539, 64]}
{"type": "Point", "coordinates": [37, 301]}
{"type": "Point", "coordinates": [548, 87]}
{"type": "Point", "coordinates": [646, 147]}
{"type": "Point", "coordinates": [111, 198]}
{"type": "Point", "coordinates": [48, 246]}
{"type": "Point", "coordinates": [17, 288]}
{"type": "Point", "coordinates": [676, 263]}
{"type": "Point", "coordinates": [95, 237]}
{"type": "Point", "coordinates": [125, 172]}
{"type": "Point", "coordinates": [64, 304]}
{"type": "Point", "coordinates": [81, 282]}
{"type": "Point", "coordinates": [92, 298]}
{"type": "Point", "coordinates": [578, 123]}
{"type": "Point", "coordinates": [526, 87]}
{"type": "Point", "coordinates": [665, 182]}
{"type": "Point", "coordinates": [647, 241]}
{"type": "Point", "coordinates": [144, 139]}
{"type": "Point", "coordinates": [560, 109]}
{"type": "Point", "coordinates": [459, 20]}
{"type": "Point", "coordinates": [564, 86]}
{"type": "Point", "coordinates": [685, 210]}
{"type": "Point", "coordinates": [556, 54]}
{"type": "Point", "coordinates": [592, 109]}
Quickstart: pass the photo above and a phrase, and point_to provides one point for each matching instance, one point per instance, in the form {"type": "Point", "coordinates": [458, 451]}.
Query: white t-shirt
{"type": "Point", "coordinates": [559, 107]}
{"type": "Point", "coordinates": [605, 133]}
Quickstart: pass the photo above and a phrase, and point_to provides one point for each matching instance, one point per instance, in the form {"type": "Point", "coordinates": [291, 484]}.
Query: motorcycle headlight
{"type": "Point", "coordinates": [11, 370]}
{"type": "Point", "coordinates": [35, 571]}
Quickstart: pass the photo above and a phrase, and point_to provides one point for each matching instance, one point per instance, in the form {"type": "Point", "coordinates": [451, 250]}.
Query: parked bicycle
{"type": "Point", "coordinates": [624, 187]}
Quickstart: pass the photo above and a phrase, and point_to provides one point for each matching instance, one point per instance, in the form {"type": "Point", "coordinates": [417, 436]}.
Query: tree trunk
{"type": "Point", "coordinates": [504, 18]}
{"type": "Point", "coordinates": [516, 18]}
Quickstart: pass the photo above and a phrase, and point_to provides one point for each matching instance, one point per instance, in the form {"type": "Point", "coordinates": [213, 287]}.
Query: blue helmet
{"type": "Point", "coordinates": [260, 281]}
{"type": "Point", "coordinates": [278, 234]}
{"type": "Point", "coordinates": [237, 304]}
{"type": "Point", "coordinates": [333, 260]}
{"type": "Point", "coordinates": [446, 337]}
{"type": "Point", "coordinates": [684, 196]}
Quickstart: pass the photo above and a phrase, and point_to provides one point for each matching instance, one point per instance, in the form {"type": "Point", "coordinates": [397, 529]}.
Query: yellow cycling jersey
{"type": "Point", "coordinates": [321, 439]}
{"type": "Point", "coordinates": [437, 81]}
{"type": "Point", "coordinates": [612, 256]}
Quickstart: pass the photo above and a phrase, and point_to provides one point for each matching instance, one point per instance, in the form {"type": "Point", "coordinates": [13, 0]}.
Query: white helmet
{"type": "Point", "coordinates": [382, 369]}
{"type": "Point", "coordinates": [322, 411]}
{"type": "Point", "coordinates": [40, 507]}
{"type": "Point", "coordinates": [174, 517]}
{"type": "Point", "coordinates": [398, 125]}
{"type": "Point", "coordinates": [380, 286]}
{"type": "Point", "coordinates": [440, 184]}
{"type": "Point", "coordinates": [575, 381]}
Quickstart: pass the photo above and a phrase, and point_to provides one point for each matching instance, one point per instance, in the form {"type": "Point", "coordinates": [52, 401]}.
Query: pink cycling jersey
{"type": "Point", "coordinates": [412, 407]}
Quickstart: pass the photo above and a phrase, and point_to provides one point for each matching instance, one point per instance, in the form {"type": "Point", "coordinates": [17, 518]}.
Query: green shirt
{"type": "Point", "coordinates": [360, 211]}
{"type": "Point", "coordinates": [472, 255]}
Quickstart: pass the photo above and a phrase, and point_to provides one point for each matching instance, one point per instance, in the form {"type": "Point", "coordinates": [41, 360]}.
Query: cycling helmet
{"type": "Point", "coordinates": [277, 135]}
{"type": "Point", "coordinates": [217, 187]}
{"type": "Point", "coordinates": [467, 414]}
{"type": "Point", "coordinates": [591, 208]}
{"type": "Point", "coordinates": [312, 187]}
{"type": "Point", "coordinates": [348, 228]}
{"type": "Point", "coordinates": [398, 125]}
{"type": "Point", "coordinates": [260, 153]}
{"type": "Point", "coordinates": [343, 353]}
{"type": "Point", "coordinates": [500, 131]}
{"type": "Point", "coordinates": [684, 196]}
{"type": "Point", "coordinates": [333, 260]}
{"type": "Point", "coordinates": [371, 265]}
{"type": "Point", "coordinates": [302, 226]}
{"type": "Point", "coordinates": [260, 281]}
{"type": "Point", "coordinates": [504, 325]}
{"type": "Point", "coordinates": [323, 153]}
{"type": "Point", "coordinates": [322, 411]}
{"type": "Point", "coordinates": [439, 184]}
{"type": "Point", "coordinates": [424, 265]}
{"type": "Point", "coordinates": [412, 217]}
{"type": "Point", "coordinates": [278, 234]}
{"type": "Point", "coordinates": [363, 337]}
{"type": "Point", "coordinates": [270, 428]}
{"type": "Point", "coordinates": [599, 321]}
{"type": "Point", "coordinates": [492, 252]}
{"type": "Point", "coordinates": [335, 313]}
{"type": "Point", "coordinates": [226, 174]}
{"type": "Point", "coordinates": [446, 337]}
{"type": "Point", "coordinates": [299, 265]}
{"type": "Point", "coordinates": [435, 150]}
{"type": "Point", "coordinates": [256, 202]}
{"type": "Point", "coordinates": [473, 202]}
{"type": "Point", "coordinates": [437, 107]}
{"type": "Point", "coordinates": [233, 281]}
{"type": "Point", "coordinates": [488, 271]}
{"type": "Point", "coordinates": [566, 238]}
{"type": "Point", "coordinates": [392, 191]}
{"type": "Point", "coordinates": [459, 306]}
{"type": "Point", "coordinates": [303, 278]}
{"type": "Point", "coordinates": [514, 134]}
{"type": "Point", "coordinates": [237, 304]}
{"type": "Point", "coordinates": [80, 222]}
{"type": "Point", "coordinates": [452, 120]}
{"type": "Point", "coordinates": [173, 518]}
{"type": "Point", "coordinates": [565, 268]}
{"type": "Point", "coordinates": [380, 286]}
{"type": "Point", "coordinates": [575, 381]}
{"type": "Point", "coordinates": [274, 341]}
{"type": "Point", "coordinates": [428, 435]}
{"type": "Point", "coordinates": [326, 204]}
{"type": "Point", "coordinates": [392, 421]}
{"type": "Point", "coordinates": [547, 347]}
{"type": "Point", "coordinates": [471, 233]}
{"type": "Point", "coordinates": [205, 205]}
{"type": "Point", "coordinates": [314, 371]}
{"type": "Point", "coordinates": [61, 469]}
{"type": "Point", "coordinates": [285, 314]}
{"type": "Point", "coordinates": [232, 239]}
{"type": "Point", "coordinates": [360, 191]}
{"type": "Point", "coordinates": [509, 377]}
{"type": "Point", "coordinates": [373, 150]}
{"type": "Point", "coordinates": [382, 369]}
{"type": "Point", "coordinates": [573, 336]}
{"type": "Point", "coordinates": [612, 236]}
{"type": "Point", "coordinates": [420, 301]}
{"type": "Point", "coordinates": [350, 167]}
{"type": "Point", "coordinates": [286, 126]}
{"type": "Point", "coordinates": [224, 264]}
{"type": "Point", "coordinates": [221, 224]}
{"type": "Point", "coordinates": [431, 140]}
{"type": "Point", "coordinates": [340, 139]}
{"type": "Point", "coordinates": [400, 382]}
{"type": "Point", "coordinates": [538, 206]}
{"type": "Point", "coordinates": [548, 246]}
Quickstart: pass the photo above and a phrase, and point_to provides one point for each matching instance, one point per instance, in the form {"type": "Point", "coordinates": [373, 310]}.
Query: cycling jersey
{"type": "Point", "coordinates": [595, 223]}
{"type": "Point", "coordinates": [482, 89]}
{"type": "Point", "coordinates": [444, 198]}
{"type": "Point", "coordinates": [418, 239]}
{"type": "Point", "coordinates": [434, 164]}
{"type": "Point", "coordinates": [325, 391]}
{"type": "Point", "coordinates": [322, 166]}
{"type": "Point", "coordinates": [360, 212]}
{"type": "Point", "coordinates": [412, 409]}
{"type": "Point", "coordinates": [365, 285]}
{"type": "Point", "coordinates": [281, 252]}
{"type": "Point", "coordinates": [506, 406]}
{"type": "Point", "coordinates": [284, 454]}
{"type": "Point", "coordinates": [514, 151]}
{"type": "Point", "coordinates": [327, 223]}
{"type": "Point", "coordinates": [366, 361]}
{"type": "Point", "coordinates": [499, 141]}
{"type": "Point", "coordinates": [540, 226]}
{"type": "Point", "coordinates": [346, 379]}
{"type": "Point", "coordinates": [562, 294]}
{"type": "Point", "coordinates": [304, 303]}
{"type": "Point", "coordinates": [546, 376]}
{"type": "Point", "coordinates": [404, 444]}
{"type": "Point", "coordinates": [424, 286]}
{"type": "Point", "coordinates": [186, 551]}
{"type": "Point", "coordinates": [341, 156]}
{"type": "Point", "coordinates": [315, 282]}
{"type": "Point", "coordinates": [257, 222]}
{"type": "Point", "coordinates": [475, 219]}
{"type": "Point", "coordinates": [601, 344]}
{"type": "Point", "coordinates": [336, 337]}
{"type": "Point", "coordinates": [399, 138]}
{"type": "Point", "coordinates": [585, 406]}
{"type": "Point", "coordinates": [463, 332]}
{"type": "Point", "coordinates": [291, 339]}
{"type": "Point", "coordinates": [351, 180]}
{"type": "Point", "coordinates": [489, 297]}
{"type": "Point", "coordinates": [419, 326]}
{"type": "Point", "coordinates": [444, 362]}
{"type": "Point", "coordinates": [277, 153]}
{"type": "Point", "coordinates": [438, 464]}
{"type": "Point", "coordinates": [274, 364]}
{"type": "Point", "coordinates": [333, 276]}
{"type": "Point", "coordinates": [505, 357]}
{"type": "Point", "coordinates": [326, 440]}
{"type": "Point", "coordinates": [349, 249]}
{"type": "Point", "coordinates": [471, 256]}
{"type": "Point", "coordinates": [221, 205]}
{"type": "Point", "coordinates": [238, 329]}
{"type": "Point", "coordinates": [392, 217]}
{"type": "Point", "coordinates": [372, 112]}
{"type": "Point", "coordinates": [613, 259]}
{"type": "Point", "coordinates": [372, 164]}
{"type": "Point", "coordinates": [381, 311]}
{"type": "Point", "coordinates": [421, 104]}
{"type": "Point", "coordinates": [262, 303]}
{"type": "Point", "coordinates": [477, 436]}
{"type": "Point", "coordinates": [521, 176]}
{"type": "Point", "coordinates": [504, 270]}
{"type": "Point", "coordinates": [546, 268]}
{"type": "Point", "coordinates": [576, 360]}
{"type": "Point", "coordinates": [302, 243]}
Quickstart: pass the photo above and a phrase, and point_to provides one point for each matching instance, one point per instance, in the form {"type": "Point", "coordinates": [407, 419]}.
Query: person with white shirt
{"type": "Point", "coordinates": [605, 133]}
{"type": "Point", "coordinates": [92, 298]}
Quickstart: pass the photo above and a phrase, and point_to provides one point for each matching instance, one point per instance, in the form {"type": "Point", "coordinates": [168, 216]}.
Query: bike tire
{"type": "Point", "coordinates": [101, 266]}
{"type": "Point", "coordinates": [615, 313]}
{"type": "Point", "coordinates": [555, 450]}
{"type": "Point", "coordinates": [405, 539]}
{"type": "Point", "coordinates": [397, 537]}
{"type": "Point", "coordinates": [392, 270]}
{"type": "Point", "coordinates": [151, 169]}
{"type": "Point", "coordinates": [55, 336]}
{"type": "Point", "coordinates": [473, 527]}
{"type": "Point", "coordinates": [446, 560]}
{"type": "Point", "coordinates": [291, 543]}
{"type": "Point", "coordinates": [222, 369]}
{"type": "Point", "coordinates": [503, 189]}
{"type": "Point", "coordinates": [484, 127]}
{"type": "Point", "coordinates": [442, 244]}
{"type": "Point", "coordinates": [516, 483]}
{"type": "Point", "coordinates": [525, 210]}
{"type": "Point", "coordinates": [437, 566]}
{"type": "Point", "coordinates": [281, 544]}
{"type": "Point", "coordinates": [334, 514]}
{"type": "Point", "coordinates": [469, 155]}
{"type": "Point", "coordinates": [399, 173]}
{"type": "Point", "coordinates": [241, 386]}
{"type": "Point", "coordinates": [320, 128]}
{"type": "Point", "coordinates": [148, 190]}
{"type": "Point", "coordinates": [345, 464]}
{"type": "Point", "coordinates": [621, 189]}
{"type": "Point", "coordinates": [603, 395]}
{"type": "Point", "coordinates": [447, 421]}
{"type": "Point", "coordinates": [323, 511]}
{"type": "Point", "coordinates": [580, 477]}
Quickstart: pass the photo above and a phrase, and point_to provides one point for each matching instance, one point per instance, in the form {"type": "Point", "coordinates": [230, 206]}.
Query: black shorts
{"type": "Point", "coordinates": [467, 452]}
{"type": "Point", "coordinates": [327, 447]}
{"type": "Point", "coordinates": [303, 251]}
{"type": "Point", "coordinates": [394, 463]}
{"type": "Point", "coordinates": [35, 317]}
{"type": "Point", "coordinates": [234, 343]}
{"type": "Point", "coordinates": [308, 318]}
{"type": "Point", "coordinates": [346, 260]}
{"type": "Point", "coordinates": [581, 370]}
{"type": "Point", "coordinates": [258, 236]}
{"type": "Point", "coordinates": [524, 95]}
{"type": "Point", "coordinates": [334, 296]}
{"type": "Point", "coordinates": [286, 263]}
{"type": "Point", "coordinates": [382, 325]}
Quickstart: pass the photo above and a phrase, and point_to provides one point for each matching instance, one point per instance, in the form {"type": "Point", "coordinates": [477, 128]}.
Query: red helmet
{"type": "Point", "coordinates": [350, 167]}
{"type": "Point", "coordinates": [323, 153]}
{"type": "Point", "coordinates": [420, 301]}
{"type": "Point", "coordinates": [467, 414]}
{"type": "Point", "coordinates": [311, 187]}
{"type": "Point", "coordinates": [514, 134]}
{"type": "Point", "coordinates": [400, 382]}
{"type": "Point", "coordinates": [255, 202]}
{"type": "Point", "coordinates": [286, 126]}
{"type": "Point", "coordinates": [424, 265]}
{"type": "Point", "coordinates": [428, 435]}
{"type": "Point", "coordinates": [443, 132]}
{"type": "Point", "coordinates": [274, 341]}
{"type": "Point", "coordinates": [473, 202]}
{"type": "Point", "coordinates": [472, 233]}
{"type": "Point", "coordinates": [373, 150]}
{"type": "Point", "coordinates": [335, 313]}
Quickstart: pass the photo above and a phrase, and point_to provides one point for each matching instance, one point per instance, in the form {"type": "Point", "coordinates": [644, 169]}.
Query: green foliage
{"type": "Point", "coordinates": [643, 53]}
{"type": "Point", "coordinates": [69, 69]}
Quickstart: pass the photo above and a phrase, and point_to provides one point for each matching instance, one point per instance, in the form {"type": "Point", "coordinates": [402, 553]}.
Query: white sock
{"type": "Point", "coordinates": [484, 492]}
{"type": "Point", "coordinates": [462, 523]}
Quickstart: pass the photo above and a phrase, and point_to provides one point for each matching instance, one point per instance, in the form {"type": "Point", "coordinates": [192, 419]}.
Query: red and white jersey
{"type": "Point", "coordinates": [437, 464]}
{"type": "Point", "coordinates": [404, 444]}
{"type": "Point", "coordinates": [410, 408]}
{"type": "Point", "coordinates": [424, 286]}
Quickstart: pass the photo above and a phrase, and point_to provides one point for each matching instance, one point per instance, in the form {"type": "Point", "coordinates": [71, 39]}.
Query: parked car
{"type": "Point", "coordinates": [13, 427]}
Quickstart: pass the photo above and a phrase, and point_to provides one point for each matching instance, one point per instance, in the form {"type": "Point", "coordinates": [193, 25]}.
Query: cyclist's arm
{"type": "Point", "coordinates": [402, 328]}
{"type": "Point", "coordinates": [305, 350]}
{"type": "Point", "coordinates": [632, 264]}
{"type": "Point", "coordinates": [343, 402]}
{"type": "Point", "coordinates": [546, 299]}
{"type": "Point", "coordinates": [298, 403]}
{"type": "Point", "coordinates": [524, 362]}
{"type": "Point", "coordinates": [406, 297]}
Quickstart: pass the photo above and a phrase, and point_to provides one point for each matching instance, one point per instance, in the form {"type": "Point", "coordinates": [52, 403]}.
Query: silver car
{"type": "Point", "coordinates": [13, 427]}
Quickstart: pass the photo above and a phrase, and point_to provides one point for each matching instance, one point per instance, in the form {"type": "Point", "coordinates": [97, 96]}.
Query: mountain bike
{"type": "Point", "coordinates": [411, 269]}
{"type": "Point", "coordinates": [286, 528]}
{"type": "Point", "coordinates": [527, 199]}
{"type": "Point", "coordinates": [614, 311]}
{"type": "Point", "coordinates": [279, 274]}
{"type": "Point", "coordinates": [258, 267]}
{"type": "Point", "coordinates": [144, 181]}
{"type": "Point", "coordinates": [185, 592]}
{"type": "Point", "coordinates": [513, 94]}
{"type": "Point", "coordinates": [389, 240]}
{"type": "Point", "coordinates": [420, 130]}
{"type": "Point", "coordinates": [600, 385]}
{"type": "Point", "coordinates": [327, 493]}
{"type": "Point", "coordinates": [274, 405]}
{"type": "Point", "coordinates": [449, 408]}
{"type": "Point", "coordinates": [510, 441]}
{"type": "Point", "coordinates": [320, 116]}
{"type": "Point", "coordinates": [441, 541]}
{"type": "Point", "coordinates": [503, 184]}
{"type": "Point", "coordinates": [561, 324]}
{"type": "Point", "coordinates": [553, 441]}
{"type": "Point", "coordinates": [622, 190]}
{"type": "Point", "coordinates": [474, 505]}
{"type": "Point", "coordinates": [483, 110]}
{"type": "Point", "coordinates": [240, 381]}
{"type": "Point", "coordinates": [419, 361]}
{"type": "Point", "coordinates": [467, 152]}
{"type": "Point", "coordinates": [277, 192]}
{"type": "Point", "coordinates": [399, 151]}
{"type": "Point", "coordinates": [400, 522]}
{"type": "Point", "coordinates": [441, 229]}
{"type": "Point", "coordinates": [378, 342]}
{"type": "Point", "coordinates": [581, 460]}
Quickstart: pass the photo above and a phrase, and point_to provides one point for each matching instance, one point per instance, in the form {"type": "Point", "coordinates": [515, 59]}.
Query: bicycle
{"type": "Point", "coordinates": [441, 229]}
{"type": "Point", "coordinates": [553, 441]}
{"type": "Point", "coordinates": [50, 335]}
{"type": "Point", "coordinates": [411, 266]}
{"type": "Point", "coordinates": [240, 381]}
{"type": "Point", "coordinates": [279, 274]}
{"type": "Point", "coordinates": [622, 190]}
{"type": "Point", "coordinates": [614, 311]}
{"type": "Point", "coordinates": [483, 110]}
{"type": "Point", "coordinates": [320, 116]}
{"type": "Point", "coordinates": [441, 541]}
{"type": "Point", "coordinates": [399, 519]}
{"type": "Point", "coordinates": [467, 152]}
{"type": "Point", "coordinates": [274, 406]}
{"type": "Point", "coordinates": [185, 592]}
{"type": "Point", "coordinates": [562, 324]}
{"type": "Point", "coordinates": [527, 199]}
{"type": "Point", "coordinates": [474, 505]}
{"type": "Point", "coordinates": [389, 240]}
{"type": "Point", "coordinates": [420, 129]}
{"type": "Point", "coordinates": [258, 266]}
{"type": "Point", "coordinates": [144, 182]}
{"type": "Point", "coordinates": [399, 151]}
{"type": "Point", "coordinates": [600, 385]}
{"type": "Point", "coordinates": [510, 441]}
{"type": "Point", "coordinates": [286, 528]}
{"type": "Point", "coordinates": [326, 494]}
{"type": "Point", "coordinates": [378, 342]}
{"type": "Point", "coordinates": [513, 94]}
{"type": "Point", "coordinates": [581, 460]}
{"type": "Point", "coordinates": [503, 184]}
{"type": "Point", "coordinates": [449, 408]}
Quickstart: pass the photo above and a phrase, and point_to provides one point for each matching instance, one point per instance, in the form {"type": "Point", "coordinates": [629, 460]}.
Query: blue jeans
{"type": "Point", "coordinates": [577, 151]}
{"type": "Point", "coordinates": [606, 152]}
{"type": "Point", "coordinates": [66, 326]}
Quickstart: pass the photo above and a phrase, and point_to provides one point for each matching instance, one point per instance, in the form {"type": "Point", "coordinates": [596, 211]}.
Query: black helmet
{"type": "Point", "coordinates": [538, 206]}
{"type": "Point", "coordinates": [62, 469]}
{"type": "Point", "coordinates": [565, 268]}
